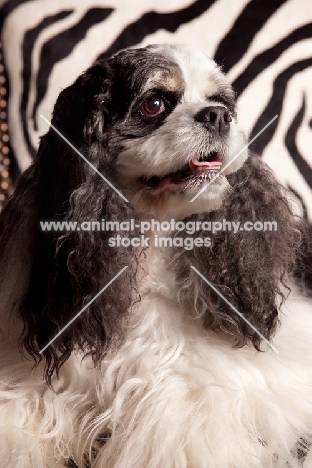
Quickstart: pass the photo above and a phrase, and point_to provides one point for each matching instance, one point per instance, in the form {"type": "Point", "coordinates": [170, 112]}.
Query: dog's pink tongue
{"type": "Point", "coordinates": [195, 163]}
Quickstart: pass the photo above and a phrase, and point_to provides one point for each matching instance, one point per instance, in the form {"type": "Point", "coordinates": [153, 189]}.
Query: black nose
{"type": "Point", "coordinates": [215, 119]}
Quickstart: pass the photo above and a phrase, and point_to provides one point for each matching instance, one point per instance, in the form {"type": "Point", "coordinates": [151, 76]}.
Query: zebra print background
{"type": "Point", "coordinates": [264, 46]}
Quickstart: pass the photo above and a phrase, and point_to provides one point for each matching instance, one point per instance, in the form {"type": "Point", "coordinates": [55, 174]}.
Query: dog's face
{"type": "Point", "coordinates": [173, 130]}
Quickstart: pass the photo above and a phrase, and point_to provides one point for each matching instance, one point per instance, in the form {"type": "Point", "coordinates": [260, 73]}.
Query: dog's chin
{"type": "Point", "coordinates": [178, 194]}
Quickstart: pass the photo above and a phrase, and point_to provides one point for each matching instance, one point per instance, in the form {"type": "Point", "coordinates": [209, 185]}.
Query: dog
{"type": "Point", "coordinates": [164, 344]}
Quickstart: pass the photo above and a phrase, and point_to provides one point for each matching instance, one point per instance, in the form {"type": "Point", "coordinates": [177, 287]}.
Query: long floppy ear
{"type": "Point", "coordinates": [53, 275]}
{"type": "Point", "coordinates": [250, 268]}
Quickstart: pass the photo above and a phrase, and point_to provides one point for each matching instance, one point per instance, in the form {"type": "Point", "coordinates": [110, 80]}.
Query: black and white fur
{"type": "Point", "coordinates": [158, 371]}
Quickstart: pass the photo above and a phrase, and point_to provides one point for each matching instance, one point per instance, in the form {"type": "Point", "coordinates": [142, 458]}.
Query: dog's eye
{"type": "Point", "coordinates": [152, 107]}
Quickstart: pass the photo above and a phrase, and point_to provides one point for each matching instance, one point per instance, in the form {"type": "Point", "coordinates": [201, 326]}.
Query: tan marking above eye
{"type": "Point", "coordinates": [169, 80]}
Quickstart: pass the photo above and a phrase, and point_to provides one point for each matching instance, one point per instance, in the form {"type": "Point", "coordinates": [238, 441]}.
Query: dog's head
{"type": "Point", "coordinates": [159, 124]}
{"type": "Point", "coordinates": [165, 118]}
{"type": "Point", "coordinates": [173, 128]}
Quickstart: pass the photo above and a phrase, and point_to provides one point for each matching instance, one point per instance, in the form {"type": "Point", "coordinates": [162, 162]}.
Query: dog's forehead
{"type": "Point", "coordinates": [192, 72]}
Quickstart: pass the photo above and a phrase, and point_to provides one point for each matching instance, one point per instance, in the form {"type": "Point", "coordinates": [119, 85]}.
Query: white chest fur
{"type": "Point", "coordinates": [183, 397]}
{"type": "Point", "coordinates": [172, 395]}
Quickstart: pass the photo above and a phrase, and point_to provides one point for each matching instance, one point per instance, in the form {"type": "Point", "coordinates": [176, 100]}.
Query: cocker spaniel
{"type": "Point", "coordinates": [143, 314]}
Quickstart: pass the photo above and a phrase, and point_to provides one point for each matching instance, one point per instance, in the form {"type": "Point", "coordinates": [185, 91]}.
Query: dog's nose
{"type": "Point", "coordinates": [214, 118]}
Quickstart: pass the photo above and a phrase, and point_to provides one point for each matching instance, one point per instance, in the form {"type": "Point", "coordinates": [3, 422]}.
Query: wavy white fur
{"type": "Point", "coordinates": [172, 395]}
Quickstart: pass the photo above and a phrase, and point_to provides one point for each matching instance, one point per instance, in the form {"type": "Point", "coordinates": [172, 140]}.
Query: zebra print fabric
{"type": "Point", "coordinates": [264, 47]}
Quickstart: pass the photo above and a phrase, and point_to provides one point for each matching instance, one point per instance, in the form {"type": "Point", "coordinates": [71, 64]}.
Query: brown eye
{"type": "Point", "coordinates": [152, 107]}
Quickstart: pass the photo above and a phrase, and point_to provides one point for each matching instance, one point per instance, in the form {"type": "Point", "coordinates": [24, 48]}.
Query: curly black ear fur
{"type": "Point", "coordinates": [59, 273]}
{"type": "Point", "coordinates": [250, 269]}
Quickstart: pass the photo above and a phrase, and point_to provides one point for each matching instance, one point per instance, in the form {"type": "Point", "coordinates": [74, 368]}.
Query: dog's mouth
{"type": "Point", "coordinates": [205, 167]}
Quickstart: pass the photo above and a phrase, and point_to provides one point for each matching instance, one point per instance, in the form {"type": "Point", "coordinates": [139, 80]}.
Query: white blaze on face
{"type": "Point", "coordinates": [198, 72]}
